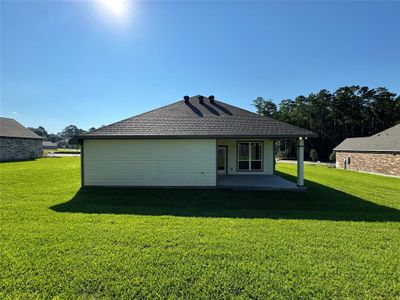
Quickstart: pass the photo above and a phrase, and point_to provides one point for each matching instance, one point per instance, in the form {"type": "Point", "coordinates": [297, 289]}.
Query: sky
{"type": "Point", "coordinates": [77, 62]}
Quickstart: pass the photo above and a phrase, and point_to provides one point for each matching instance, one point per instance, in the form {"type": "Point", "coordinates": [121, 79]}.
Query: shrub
{"type": "Point", "coordinates": [332, 156]}
{"type": "Point", "coordinates": [313, 155]}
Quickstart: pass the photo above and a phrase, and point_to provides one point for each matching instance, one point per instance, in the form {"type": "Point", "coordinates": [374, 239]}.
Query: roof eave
{"type": "Point", "coordinates": [367, 150]}
{"type": "Point", "coordinates": [282, 136]}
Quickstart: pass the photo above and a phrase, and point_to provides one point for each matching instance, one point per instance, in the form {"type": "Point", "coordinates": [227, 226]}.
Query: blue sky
{"type": "Point", "coordinates": [68, 62]}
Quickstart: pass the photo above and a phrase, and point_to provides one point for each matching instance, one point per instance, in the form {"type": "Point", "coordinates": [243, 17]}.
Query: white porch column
{"type": "Point", "coordinates": [300, 162]}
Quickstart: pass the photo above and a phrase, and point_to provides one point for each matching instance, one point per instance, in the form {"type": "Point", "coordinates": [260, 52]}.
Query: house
{"type": "Point", "coordinates": [195, 142]}
{"type": "Point", "coordinates": [18, 142]}
{"type": "Point", "coordinates": [379, 153]}
{"type": "Point", "coordinates": [49, 145]}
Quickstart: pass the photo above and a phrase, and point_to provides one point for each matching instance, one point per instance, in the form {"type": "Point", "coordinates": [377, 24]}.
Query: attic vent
{"type": "Point", "coordinates": [211, 98]}
{"type": "Point", "coordinates": [186, 99]}
{"type": "Point", "coordinates": [201, 99]}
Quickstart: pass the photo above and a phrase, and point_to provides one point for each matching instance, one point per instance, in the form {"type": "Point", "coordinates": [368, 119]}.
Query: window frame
{"type": "Point", "coordinates": [250, 160]}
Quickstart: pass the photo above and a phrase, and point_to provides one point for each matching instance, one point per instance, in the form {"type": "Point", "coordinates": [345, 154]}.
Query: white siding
{"type": "Point", "coordinates": [268, 159]}
{"type": "Point", "coordinates": [150, 162]}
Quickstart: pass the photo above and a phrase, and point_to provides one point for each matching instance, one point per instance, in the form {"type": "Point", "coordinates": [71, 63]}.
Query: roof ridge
{"type": "Point", "coordinates": [242, 109]}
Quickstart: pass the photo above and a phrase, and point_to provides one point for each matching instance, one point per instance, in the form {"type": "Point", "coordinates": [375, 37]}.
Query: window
{"type": "Point", "coordinates": [249, 156]}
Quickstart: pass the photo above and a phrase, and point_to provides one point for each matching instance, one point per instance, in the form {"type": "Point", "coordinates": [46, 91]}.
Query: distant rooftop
{"type": "Point", "coordinates": [385, 141]}
{"type": "Point", "coordinates": [49, 144]}
{"type": "Point", "coordinates": [198, 117]}
{"type": "Point", "coordinates": [12, 129]}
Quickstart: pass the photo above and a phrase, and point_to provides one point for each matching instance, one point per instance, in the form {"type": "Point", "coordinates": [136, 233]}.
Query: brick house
{"type": "Point", "coordinates": [379, 153]}
{"type": "Point", "coordinates": [18, 142]}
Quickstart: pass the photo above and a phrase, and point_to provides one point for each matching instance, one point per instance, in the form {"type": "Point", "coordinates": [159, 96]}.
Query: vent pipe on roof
{"type": "Point", "coordinates": [211, 98]}
{"type": "Point", "coordinates": [186, 99]}
{"type": "Point", "coordinates": [201, 99]}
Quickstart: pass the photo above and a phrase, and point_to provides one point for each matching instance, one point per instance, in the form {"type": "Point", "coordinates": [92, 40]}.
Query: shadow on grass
{"type": "Point", "coordinates": [318, 203]}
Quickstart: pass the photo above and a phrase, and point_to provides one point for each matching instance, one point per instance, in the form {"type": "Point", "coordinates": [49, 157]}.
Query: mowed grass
{"type": "Point", "coordinates": [341, 239]}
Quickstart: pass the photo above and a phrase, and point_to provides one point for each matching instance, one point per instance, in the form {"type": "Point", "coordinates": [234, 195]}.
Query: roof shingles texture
{"type": "Point", "coordinates": [195, 119]}
{"type": "Point", "coordinates": [12, 129]}
{"type": "Point", "coordinates": [385, 141]}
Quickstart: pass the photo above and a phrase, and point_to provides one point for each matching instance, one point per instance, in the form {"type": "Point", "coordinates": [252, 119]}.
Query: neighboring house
{"type": "Point", "coordinates": [62, 143]}
{"type": "Point", "coordinates": [195, 142]}
{"type": "Point", "coordinates": [18, 142]}
{"type": "Point", "coordinates": [379, 153]}
{"type": "Point", "coordinates": [49, 145]}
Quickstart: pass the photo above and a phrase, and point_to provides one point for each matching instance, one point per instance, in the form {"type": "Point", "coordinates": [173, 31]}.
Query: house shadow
{"type": "Point", "coordinates": [318, 203]}
{"type": "Point", "coordinates": [195, 109]}
{"type": "Point", "coordinates": [210, 109]}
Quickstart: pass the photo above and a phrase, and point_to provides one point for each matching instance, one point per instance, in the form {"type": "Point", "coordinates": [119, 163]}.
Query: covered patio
{"type": "Point", "coordinates": [257, 182]}
{"type": "Point", "coordinates": [250, 165]}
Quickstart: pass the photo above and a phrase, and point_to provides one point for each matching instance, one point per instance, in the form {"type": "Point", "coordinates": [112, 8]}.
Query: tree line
{"type": "Point", "coordinates": [350, 111]}
{"type": "Point", "coordinates": [62, 138]}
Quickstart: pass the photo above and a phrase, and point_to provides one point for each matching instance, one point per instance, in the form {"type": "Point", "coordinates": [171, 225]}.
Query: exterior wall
{"type": "Point", "coordinates": [384, 163]}
{"type": "Point", "coordinates": [268, 159]}
{"type": "Point", "coordinates": [149, 162]}
{"type": "Point", "coordinates": [12, 149]}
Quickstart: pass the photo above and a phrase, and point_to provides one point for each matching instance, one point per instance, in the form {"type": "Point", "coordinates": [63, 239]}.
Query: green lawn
{"type": "Point", "coordinates": [341, 239]}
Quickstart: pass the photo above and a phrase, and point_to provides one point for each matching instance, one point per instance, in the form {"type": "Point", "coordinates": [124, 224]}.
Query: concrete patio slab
{"type": "Point", "coordinates": [257, 182]}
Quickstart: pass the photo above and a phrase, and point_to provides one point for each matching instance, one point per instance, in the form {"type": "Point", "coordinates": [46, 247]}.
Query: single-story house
{"type": "Point", "coordinates": [18, 142]}
{"type": "Point", "coordinates": [379, 153]}
{"type": "Point", "coordinates": [195, 142]}
{"type": "Point", "coordinates": [48, 145]}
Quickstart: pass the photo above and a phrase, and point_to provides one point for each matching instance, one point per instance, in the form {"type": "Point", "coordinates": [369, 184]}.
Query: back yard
{"type": "Point", "coordinates": [340, 239]}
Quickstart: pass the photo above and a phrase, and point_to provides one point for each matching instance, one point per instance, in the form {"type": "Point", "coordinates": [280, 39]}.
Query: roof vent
{"type": "Point", "coordinates": [186, 99]}
{"type": "Point", "coordinates": [211, 98]}
{"type": "Point", "coordinates": [201, 99]}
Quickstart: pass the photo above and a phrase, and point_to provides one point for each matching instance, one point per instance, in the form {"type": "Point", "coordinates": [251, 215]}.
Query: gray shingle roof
{"type": "Point", "coordinates": [198, 120]}
{"type": "Point", "coordinates": [385, 141]}
{"type": "Point", "coordinates": [13, 129]}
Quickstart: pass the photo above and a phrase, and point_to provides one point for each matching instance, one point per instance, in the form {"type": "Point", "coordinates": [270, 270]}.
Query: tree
{"type": "Point", "coordinates": [41, 131]}
{"type": "Point", "coordinates": [91, 129]}
{"type": "Point", "coordinates": [350, 111]}
{"type": "Point", "coordinates": [332, 157]}
{"type": "Point", "coordinates": [313, 155]}
{"type": "Point", "coordinates": [286, 108]}
{"type": "Point", "coordinates": [71, 131]}
{"type": "Point", "coordinates": [53, 137]}
{"type": "Point", "coordinates": [265, 107]}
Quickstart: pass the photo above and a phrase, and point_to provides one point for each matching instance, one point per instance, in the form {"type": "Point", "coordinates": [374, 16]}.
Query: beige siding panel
{"type": "Point", "coordinates": [232, 158]}
{"type": "Point", "coordinates": [150, 162]}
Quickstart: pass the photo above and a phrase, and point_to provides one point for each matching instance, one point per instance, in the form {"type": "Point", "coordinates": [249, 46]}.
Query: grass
{"type": "Point", "coordinates": [341, 239]}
